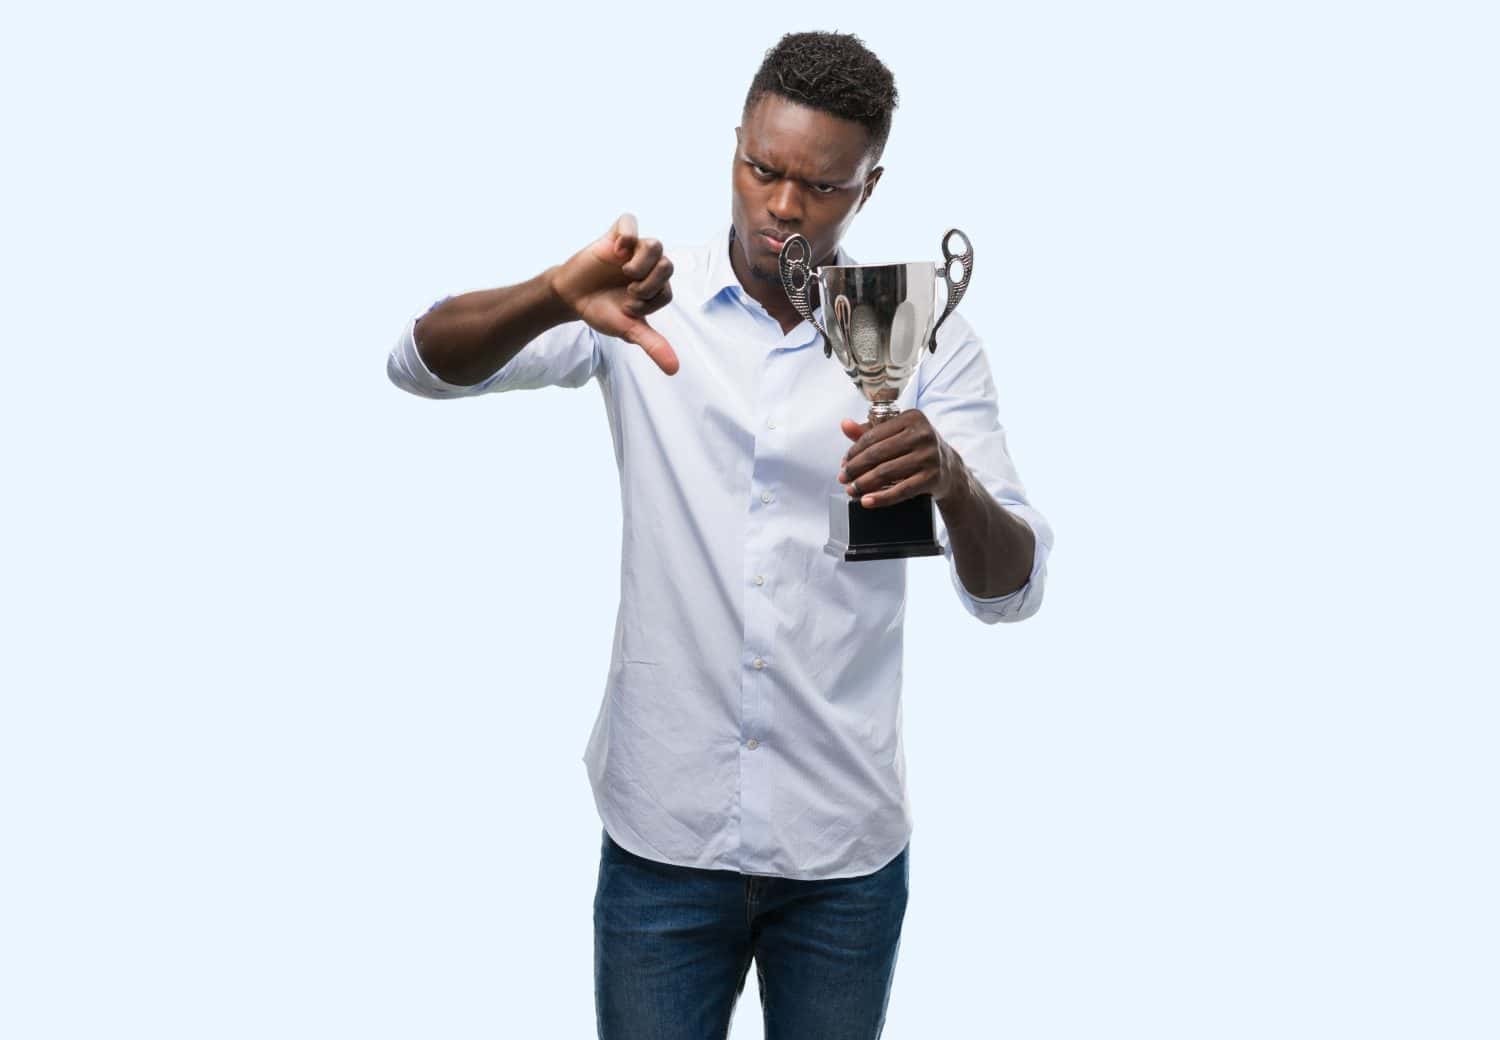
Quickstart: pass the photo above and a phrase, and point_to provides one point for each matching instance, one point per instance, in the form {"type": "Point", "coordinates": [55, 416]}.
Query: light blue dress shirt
{"type": "Point", "coordinates": [751, 718]}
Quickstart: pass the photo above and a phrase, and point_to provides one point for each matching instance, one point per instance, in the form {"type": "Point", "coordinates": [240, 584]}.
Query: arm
{"type": "Point", "coordinates": [568, 355]}
{"type": "Point", "coordinates": [463, 341]}
{"type": "Point", "coordinates": [993, 550]}
{"type": "Point", "coordinates": [952, 446]}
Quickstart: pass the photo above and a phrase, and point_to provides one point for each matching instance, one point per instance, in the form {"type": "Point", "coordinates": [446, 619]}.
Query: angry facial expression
{"type": "Point", "coordinates": [796, 171]}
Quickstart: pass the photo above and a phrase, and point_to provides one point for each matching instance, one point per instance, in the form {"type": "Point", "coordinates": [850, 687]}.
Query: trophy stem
{"type": "Point", "coordinates": [881, 411]}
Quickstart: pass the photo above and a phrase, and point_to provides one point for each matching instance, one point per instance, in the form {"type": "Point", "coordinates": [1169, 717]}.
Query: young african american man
{"type": "Point", "coordinates": [746, 760]}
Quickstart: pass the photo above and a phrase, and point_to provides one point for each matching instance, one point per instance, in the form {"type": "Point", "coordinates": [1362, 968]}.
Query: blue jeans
{"type": "Point", "coordinates": [673, 945]}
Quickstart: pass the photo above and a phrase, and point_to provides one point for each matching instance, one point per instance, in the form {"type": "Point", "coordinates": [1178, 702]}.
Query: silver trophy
{"type": "Point", "coordinates": [880, 318]}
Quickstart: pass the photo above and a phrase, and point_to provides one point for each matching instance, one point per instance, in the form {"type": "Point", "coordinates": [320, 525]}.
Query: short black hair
{"type": "Point", "coordinates": [831, 72]}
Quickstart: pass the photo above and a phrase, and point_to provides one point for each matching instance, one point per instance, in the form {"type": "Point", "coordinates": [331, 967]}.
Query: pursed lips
{"type": "Point", "coordinates": [775, 239]}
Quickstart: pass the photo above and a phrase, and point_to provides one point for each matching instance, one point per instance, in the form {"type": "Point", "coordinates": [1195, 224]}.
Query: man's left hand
{"type": "Point", "coordinates": [897, 459]}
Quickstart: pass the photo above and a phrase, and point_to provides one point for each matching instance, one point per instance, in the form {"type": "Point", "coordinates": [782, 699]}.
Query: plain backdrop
{"type": "Point", "coordinates": [298, 669]}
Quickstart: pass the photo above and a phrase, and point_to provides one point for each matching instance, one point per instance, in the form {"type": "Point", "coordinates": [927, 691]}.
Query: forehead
{"type": "Point", "coordinates": [804, 141]}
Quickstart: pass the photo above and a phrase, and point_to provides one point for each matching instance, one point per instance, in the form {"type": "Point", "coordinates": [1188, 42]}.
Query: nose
{"type": "Point", "coordinates": [785, 203]}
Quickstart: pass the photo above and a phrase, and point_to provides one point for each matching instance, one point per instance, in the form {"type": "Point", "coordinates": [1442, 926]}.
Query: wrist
{"type": "Point", "coordinates": [555, 302]}
{"type": "Point", "coordinates": [960, 483]}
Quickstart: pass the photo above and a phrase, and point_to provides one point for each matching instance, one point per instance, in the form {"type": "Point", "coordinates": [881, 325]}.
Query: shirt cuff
{"type": "Point", "coordinates": [1013, 606]}
{"type": "Point", "coordinates": [407, 370]}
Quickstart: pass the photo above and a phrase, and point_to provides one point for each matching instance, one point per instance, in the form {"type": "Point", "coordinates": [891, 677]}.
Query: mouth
{"type": "Point", "coordinates": [771, 242]}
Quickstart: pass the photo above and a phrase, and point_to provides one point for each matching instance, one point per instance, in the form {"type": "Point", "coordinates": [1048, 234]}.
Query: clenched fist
{"type": "Point", "coordinates": [614, 283]}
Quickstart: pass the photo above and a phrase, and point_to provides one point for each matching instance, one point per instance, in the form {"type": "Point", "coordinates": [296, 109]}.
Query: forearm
{"type": "Point", "coordinates": [466, 339]}
{"type": "Point", "coordinates": [993, 550]}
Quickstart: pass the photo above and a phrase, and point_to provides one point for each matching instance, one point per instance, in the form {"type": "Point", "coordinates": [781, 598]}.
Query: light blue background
{"type": "Point", "coordinates": [298, 669]}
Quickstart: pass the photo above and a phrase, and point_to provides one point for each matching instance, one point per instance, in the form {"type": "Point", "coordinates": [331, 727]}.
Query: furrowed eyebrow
{"type": "Point", "coordinates": [829, 181]}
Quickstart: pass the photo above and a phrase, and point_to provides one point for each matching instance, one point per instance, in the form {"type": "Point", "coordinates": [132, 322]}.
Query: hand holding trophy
{"type": "Point", "coordinates": [882, 317]}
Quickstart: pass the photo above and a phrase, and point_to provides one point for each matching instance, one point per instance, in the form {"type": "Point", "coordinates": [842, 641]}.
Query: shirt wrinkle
{"type": "Point", "coordinates": [751, 714]}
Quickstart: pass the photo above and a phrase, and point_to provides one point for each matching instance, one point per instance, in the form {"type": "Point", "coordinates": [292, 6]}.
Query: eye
{"type": "Point", "coordinates": [825, 189]}
{"type": "Point", "coordinates": [761, 171]}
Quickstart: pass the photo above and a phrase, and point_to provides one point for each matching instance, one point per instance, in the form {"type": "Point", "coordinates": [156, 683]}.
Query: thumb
{"type": "Point", "coordinates": [852, 429]}
{"type": "Point", "coordinates": [655, 346]}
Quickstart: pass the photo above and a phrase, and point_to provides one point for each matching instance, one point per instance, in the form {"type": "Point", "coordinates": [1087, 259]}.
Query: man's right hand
{"type": "Point", "coordinates": [614, 283]}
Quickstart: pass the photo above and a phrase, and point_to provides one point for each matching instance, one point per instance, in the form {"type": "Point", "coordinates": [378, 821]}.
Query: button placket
{"type": "Point", "coordinates": [768, 473]}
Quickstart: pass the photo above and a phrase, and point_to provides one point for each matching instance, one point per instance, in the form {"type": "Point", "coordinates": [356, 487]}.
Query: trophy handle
{"type": "Point", "coordinates": [955, 289]}
{"type": "Point", "coordinates": [796, 275]}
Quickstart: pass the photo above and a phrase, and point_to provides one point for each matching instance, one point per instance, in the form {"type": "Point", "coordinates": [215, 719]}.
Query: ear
{"type": "Point", "coordinates": [870, 181]}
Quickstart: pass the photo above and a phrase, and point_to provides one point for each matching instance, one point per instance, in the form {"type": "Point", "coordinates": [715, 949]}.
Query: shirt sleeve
{"type": "Point", "coordinates": [957, 394]}
{"type": "Point", "coordinates": [568, 355]}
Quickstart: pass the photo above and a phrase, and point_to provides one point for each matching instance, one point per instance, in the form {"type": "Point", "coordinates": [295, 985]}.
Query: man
{"type": "Point", "coordinates": [747, 761]}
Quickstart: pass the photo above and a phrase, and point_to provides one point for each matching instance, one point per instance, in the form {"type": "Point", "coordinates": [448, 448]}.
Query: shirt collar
{"type": "Point", "coordinates": [721, 276]}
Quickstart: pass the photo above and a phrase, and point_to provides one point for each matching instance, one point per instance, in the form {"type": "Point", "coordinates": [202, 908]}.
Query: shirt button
{"type": "Point", "coordinates": [765, 496]}
{"type": "Point", "coordinates": [770, 424]}
{"type": "Point", "coordinates": [752, 743]}
{"type": "Point", "coordinates": [760, 579]}
{"type": "Point", "coordinates": [759, 663]}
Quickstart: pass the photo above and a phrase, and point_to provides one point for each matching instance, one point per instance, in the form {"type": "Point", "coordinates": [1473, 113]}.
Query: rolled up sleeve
{"type": "Point", "coordinates": [566, 355]}
{"type": "Point", "coordinates": [957, 394]}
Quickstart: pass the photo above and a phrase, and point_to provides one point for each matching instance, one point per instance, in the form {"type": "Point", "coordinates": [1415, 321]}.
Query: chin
{"type": "Point", "coordinates": [770, 272]}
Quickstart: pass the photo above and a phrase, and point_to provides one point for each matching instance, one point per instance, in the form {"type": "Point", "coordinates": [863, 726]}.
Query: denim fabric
{"type": "Point", "coordinates": [673, 946]}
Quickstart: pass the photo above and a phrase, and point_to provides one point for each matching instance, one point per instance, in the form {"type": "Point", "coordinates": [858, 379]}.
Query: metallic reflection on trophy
{"type": "Point", "coordinates": [879, 317]}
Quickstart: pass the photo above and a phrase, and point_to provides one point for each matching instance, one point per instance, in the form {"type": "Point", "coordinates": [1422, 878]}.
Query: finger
{"type": "Point", "coordinates": [878, 432]}
{"type": "Point", "coordinates": [654, 282]}
{"type": "Point", "coordinates": [655, 346]}
{"type": "Point", "coordinates": [623, 235]}
{"type": "Point", "coordinates": [647, 253]}
{"type": "Point", "coordinates": [908, 488]}
{"type": "Point", "coordinates": [617, 244]}
{"type": "Point", "coordinates": [635, 307]}
{"type": "Point", "coordinates": [886, 474]}
{"type": "Point", "coordinates": [903, 442]}
{"type": "Point", "coordinates": [852, 429]}
{"type": "Point", "coordinates": [656, 302]}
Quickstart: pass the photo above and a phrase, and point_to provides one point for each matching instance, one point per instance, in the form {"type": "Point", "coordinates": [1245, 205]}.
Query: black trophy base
{"type": "Point", "coordinates": [883, 533]}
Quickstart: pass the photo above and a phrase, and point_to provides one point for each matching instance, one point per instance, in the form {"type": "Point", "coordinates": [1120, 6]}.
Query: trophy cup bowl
{"type": "Point", "coordinates": [879, 319]}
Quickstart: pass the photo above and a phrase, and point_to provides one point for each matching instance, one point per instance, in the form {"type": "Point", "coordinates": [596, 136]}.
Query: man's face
{"type": "Point", "coordinates": [796, 170]}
